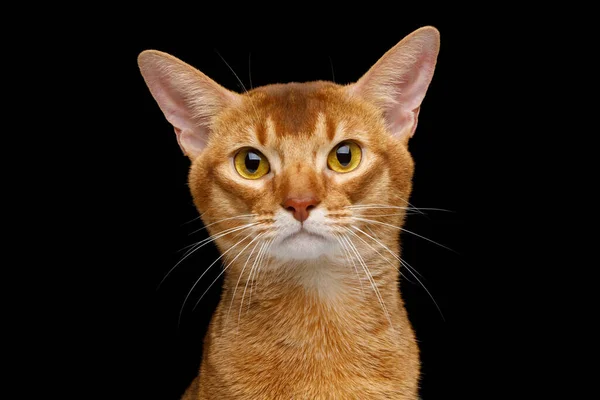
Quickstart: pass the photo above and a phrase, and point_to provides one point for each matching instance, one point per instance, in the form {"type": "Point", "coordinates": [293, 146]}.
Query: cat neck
{"type": "Point", "coordinates": [318, 293]}
{"type": "Point", "coordinates": [321, 340]}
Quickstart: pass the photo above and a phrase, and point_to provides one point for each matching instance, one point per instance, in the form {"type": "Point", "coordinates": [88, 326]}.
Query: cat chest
{"type": "Point", "coordinates": [320, 365]}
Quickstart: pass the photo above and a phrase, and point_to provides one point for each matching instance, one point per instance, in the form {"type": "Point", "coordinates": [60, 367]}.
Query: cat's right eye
{"type": "Point", "coordinates": [251, 163]}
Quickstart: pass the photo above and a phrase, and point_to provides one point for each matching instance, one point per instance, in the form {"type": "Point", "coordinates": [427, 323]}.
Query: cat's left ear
{"type": "Point", "coordinates": [189, 99]}
{"type": "Point", "coordinates": [397, 83]}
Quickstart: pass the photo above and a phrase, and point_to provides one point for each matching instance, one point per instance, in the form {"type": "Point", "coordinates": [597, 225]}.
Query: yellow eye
{"type": "Point", "coordinates": [251, 164]}
{"type": "Point", "coordinates": [344, 157]}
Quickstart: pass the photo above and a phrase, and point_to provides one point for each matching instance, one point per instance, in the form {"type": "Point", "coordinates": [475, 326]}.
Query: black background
{"type": "Point", "coordinates": [138, 207]}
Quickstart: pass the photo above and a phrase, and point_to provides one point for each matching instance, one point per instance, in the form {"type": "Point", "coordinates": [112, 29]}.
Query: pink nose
{"type": "Point", "coordinates": [300, 207]}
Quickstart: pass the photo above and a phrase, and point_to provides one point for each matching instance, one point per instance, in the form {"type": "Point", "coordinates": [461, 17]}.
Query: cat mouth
{"type": "Point", "coordinates": [303, 234]}
{"type": "Point", "coordinates": [302, 245]}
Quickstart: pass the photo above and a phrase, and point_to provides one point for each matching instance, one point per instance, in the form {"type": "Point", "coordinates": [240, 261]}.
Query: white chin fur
{"type": "Point", "coordinates": [302, 246]}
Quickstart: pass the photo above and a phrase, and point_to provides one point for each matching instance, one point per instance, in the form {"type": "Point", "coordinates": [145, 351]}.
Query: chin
{"type": "Point", "coordinates": [302, 246]}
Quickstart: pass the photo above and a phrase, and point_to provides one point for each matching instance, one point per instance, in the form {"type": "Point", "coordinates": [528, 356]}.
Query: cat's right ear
{"type": "Point", "coordinates": [188, 98]}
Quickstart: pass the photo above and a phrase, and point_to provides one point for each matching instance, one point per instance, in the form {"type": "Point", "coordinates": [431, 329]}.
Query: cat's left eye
{"type": "Point", "coordinates": [251, 163]}
{"type": "Point", "coordinates": [344, 157]}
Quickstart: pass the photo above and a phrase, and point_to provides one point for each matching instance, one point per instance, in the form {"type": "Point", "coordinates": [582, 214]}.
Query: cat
{"type": "Point", "coordinates": [304, 186]}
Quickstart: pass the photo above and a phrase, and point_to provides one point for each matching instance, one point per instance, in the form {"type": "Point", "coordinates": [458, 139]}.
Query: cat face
{"type": "Point", "coordinates": [293, 159]}
{"type": "Point", "coordinates": [299, 171]}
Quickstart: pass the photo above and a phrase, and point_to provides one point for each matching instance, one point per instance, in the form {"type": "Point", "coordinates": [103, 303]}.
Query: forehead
{"type": "Point", "coordinates": [295, 109]}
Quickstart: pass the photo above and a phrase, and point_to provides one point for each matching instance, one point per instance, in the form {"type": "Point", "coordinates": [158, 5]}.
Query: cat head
{"type": "Point", "coordinates": [297, 168]}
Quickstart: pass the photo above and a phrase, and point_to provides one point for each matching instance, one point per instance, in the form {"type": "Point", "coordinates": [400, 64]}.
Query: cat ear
{"type": "Point", "coordinates": [397, 83]}
{"type": "Point", "coordinates": [188, 98]}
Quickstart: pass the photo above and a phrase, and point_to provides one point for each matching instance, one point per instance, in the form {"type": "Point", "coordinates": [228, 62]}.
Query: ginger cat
{"type": "Point", "coordinates": [305, 186]}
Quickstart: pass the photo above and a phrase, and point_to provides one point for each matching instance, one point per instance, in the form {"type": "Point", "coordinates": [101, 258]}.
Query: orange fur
{"type": "Point", "coordinates": [311, 329]}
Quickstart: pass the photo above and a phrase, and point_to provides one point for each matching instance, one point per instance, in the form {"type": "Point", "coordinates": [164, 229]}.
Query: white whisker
{"type": "Point", "coordinates": [225, 269]}
{"type": "Point", "coordinates": [240, 277]}
{"type": "Point", "coordinates": [410, 206]}
{"type": "Point", "coordinates": [270, 243]}
{"type": "Point", "coordinates": [407, 265]}
{"type": "Point", "coordinates": [209, 239]}
{"type": "Point", "coordinates": [374, 207]}
{"type": "Point", "coordinates": [204, 242]}
{"type": "Point", "coordinates": [217, 235]}
{"type": "Point", "coordinates": [205, 271]}
{"type": "Point", "coordinates": [388, 215]}
{"type": "Point", "coordinates": [404, 230]}
{"type": "Point", "coordinates": [190, 221]}
{"type": "Point", "coordinates": [262, 246]}
{"type": "Point", "coordinates": [376, 238]}
{"type": "Point", "coordinates": [355, 206]}
{"type": "Point", "coordinates": [376, 251]}
{"type": "Point", "coordinates": [254, 279]}
{"type": "Point", "coordinates": [350, 261]}
{"type": "Point", "coordinates": [371, 280]}
{"type": "Point", "coordinates": [224, 219]}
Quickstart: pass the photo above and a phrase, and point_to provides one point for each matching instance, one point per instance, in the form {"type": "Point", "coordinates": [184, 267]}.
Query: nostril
{"type": "Point", "coordinates": [300, 207]}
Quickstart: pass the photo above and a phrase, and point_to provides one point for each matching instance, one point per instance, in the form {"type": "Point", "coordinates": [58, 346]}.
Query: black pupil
{"type": "Point", "coordinates": [252, 162]}
{"type": "Point", "coordinates": [344, 155]}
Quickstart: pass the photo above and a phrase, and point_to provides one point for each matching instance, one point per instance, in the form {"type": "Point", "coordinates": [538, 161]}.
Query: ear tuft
{"type": "Point", "coordinates": [397, 83]}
